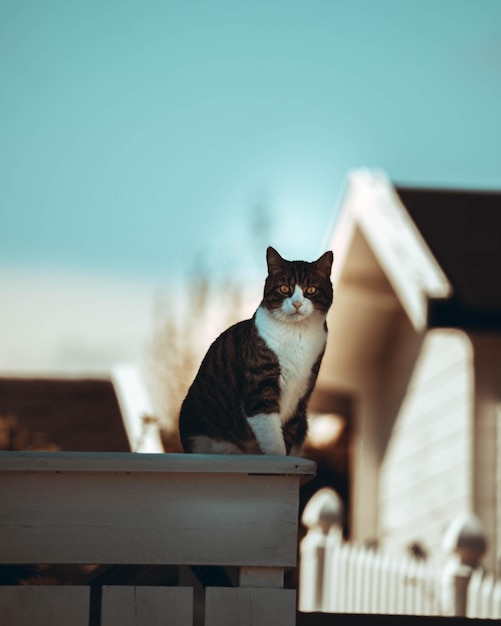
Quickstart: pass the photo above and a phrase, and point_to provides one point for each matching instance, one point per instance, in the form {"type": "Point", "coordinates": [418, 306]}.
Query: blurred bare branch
{"type": "Point", "coordinates": [261, 226]}
{"type": "Point", "coordinates": [180, 341]}
{"type": "Point", "coordinates": [188, 319]}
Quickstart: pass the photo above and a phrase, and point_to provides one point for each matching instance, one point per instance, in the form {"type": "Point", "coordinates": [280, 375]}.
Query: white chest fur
{"type": "Point", "coordinates": [297, 346]}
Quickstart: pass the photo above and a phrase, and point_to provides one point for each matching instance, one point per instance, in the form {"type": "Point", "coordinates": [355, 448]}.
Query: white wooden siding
{"type": "Point", "coordinates": [426, 474]}
{"type": "Point", "coordinates": [487, 442]}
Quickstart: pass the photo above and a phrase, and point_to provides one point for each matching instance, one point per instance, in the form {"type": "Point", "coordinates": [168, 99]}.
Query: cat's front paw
{"type": "Point", "coordinates": [267, 429]}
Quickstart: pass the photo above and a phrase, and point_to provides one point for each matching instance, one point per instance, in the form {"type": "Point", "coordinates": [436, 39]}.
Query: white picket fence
{"type": "Point", "coordinates": [339, 577]}
{"type": "Point", "coordinates": [484, 596]}
{"type": "Point", "coordinates": [359, 580]}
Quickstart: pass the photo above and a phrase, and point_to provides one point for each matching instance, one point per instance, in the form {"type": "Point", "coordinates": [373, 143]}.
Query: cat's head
{"type": "Point", "coordinates": [297, 290]}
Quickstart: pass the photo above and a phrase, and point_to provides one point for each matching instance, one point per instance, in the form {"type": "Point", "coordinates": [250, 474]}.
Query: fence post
{"type": "Point", "coordinates": [465, 542]}
{"type": "Point", "coordinates": [323, 517]}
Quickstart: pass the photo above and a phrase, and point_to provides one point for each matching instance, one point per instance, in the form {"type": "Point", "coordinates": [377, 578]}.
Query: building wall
{"type": "Point", "coordinates": [487, 442]}
{"type": "Point", "coordinates": [382, 387]}
{"type": "Point", "coordinates": [426, 470]}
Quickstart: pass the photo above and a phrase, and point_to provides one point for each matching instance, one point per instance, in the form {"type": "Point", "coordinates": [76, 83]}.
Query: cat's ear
{"type": "Point", "coordinates": [274, 260]}
{"type": "Point", "coordinates": [324, 263]}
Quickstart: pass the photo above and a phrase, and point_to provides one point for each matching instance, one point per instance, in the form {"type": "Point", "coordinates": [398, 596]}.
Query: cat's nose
{"type": "Point", "coordinates": [297, 304]}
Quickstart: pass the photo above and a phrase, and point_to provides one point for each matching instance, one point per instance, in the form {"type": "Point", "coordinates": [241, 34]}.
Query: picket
{"type": "Point", "coordinates": [474, 594]}
{"type": "Point", "coordinates": [496, 601]}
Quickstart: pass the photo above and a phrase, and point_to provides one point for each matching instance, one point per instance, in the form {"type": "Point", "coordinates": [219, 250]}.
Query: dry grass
{"type": "Point", "coordinates": [180, 340]}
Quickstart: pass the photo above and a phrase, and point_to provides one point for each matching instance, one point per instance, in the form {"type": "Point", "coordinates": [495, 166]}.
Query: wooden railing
{"type": "Point", "coordinates": [88, 508]}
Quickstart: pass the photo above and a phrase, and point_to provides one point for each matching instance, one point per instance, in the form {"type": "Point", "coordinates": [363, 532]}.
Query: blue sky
{"type": "Point", "coordinates": [136, 136]}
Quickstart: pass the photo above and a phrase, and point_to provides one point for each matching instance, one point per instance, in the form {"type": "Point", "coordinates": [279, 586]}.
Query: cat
{"type": "Point", "coordinates": [251, 391]}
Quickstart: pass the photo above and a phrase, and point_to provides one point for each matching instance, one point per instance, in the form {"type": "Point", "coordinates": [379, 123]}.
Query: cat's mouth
{"type": "Point", "coordinates": [297, 315]}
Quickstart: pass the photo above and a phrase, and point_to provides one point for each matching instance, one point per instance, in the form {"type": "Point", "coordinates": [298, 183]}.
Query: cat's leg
{"type": "Point", "coordinates": [262, 408]}
{"type": "Point", "coordinates": [295, 451]}
{"type": "Point", "coordinates": [267, 429]}
{"type": "Point", "coordinates": [295, 431]}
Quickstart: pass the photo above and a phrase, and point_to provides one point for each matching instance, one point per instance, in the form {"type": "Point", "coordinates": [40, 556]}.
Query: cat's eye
{"type": "Point", "coordinates": [311, 291]}
{"type": "Point", "coordinates": [285, 289]}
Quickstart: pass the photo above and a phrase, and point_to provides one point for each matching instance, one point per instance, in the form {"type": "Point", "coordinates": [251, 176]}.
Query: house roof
{"type": "Point", "coordinates": [60, 414]}
{"type": "Point", "coordinates": [463, 231]}
{"type": "Point", "coordinates": [405, 261]}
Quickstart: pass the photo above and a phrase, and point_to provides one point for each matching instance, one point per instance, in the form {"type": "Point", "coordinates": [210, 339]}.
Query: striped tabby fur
{"type": "Point", "coordinates": [251, 391]}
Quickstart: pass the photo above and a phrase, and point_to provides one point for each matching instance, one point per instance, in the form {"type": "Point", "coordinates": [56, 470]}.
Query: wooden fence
{"type": "Point", "coordinates": [152, 509]}
{"type": "Point", "coordinates": [338, 577]}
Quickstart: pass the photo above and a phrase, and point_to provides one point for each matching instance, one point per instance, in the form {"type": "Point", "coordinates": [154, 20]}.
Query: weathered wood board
{"type": "Point", "coordinates": [249, 607]}
{"type": "Point", "coordinates": [147, 606]}
{"type": "Point", "coordinates": [151, 509]}
{"type": "Point", "coordinates": [44, 606]}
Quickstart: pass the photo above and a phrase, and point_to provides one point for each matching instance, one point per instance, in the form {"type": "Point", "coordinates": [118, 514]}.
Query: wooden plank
{"type": "Point", "coordinates": [147, 606]}
{"type": "Point", "coordinates": [155, 463]}
{"type": "Point", "coordinates": [150, 518]}
{"type": "Point", "coordinates": [250, 607]}
{"type": "Point", "coordinates": [44, 606]}
{"type": "Point", "coordinates": [259, 577]}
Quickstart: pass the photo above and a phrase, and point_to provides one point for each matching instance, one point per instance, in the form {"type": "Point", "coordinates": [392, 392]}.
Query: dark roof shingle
{"type": "Point", "coordinates": [463, 231]}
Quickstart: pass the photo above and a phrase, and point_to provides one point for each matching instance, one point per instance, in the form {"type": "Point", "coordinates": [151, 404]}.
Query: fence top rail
{"type": "Point", "coordinates": [29, 461]}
